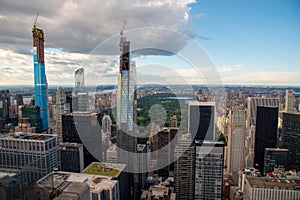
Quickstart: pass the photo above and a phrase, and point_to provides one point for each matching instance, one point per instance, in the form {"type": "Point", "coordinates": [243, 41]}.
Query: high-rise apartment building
{"type": "Point", "coordinates": [35, 154]}
{"type": "Point", "coordinates": [126, 111]}
{"type": "Point", "coordinates": [289, 101]}
{"type": "Point", "coordinates": [80, 96]}
{"type": "Point", "coordinates": [209, 162]}
{"type": "Point", "coordinates": [265, 134]}
{"type": "Point", "coordinates": [40, 80]}
{"type": "Point", "coordinates": [236, 138]}
{"type": "Point", "coordinates": [61, 107]}
{"type": "Point", "coordinates": [291, 138]}
{"type": "Point", "coordinates": [201, 120]}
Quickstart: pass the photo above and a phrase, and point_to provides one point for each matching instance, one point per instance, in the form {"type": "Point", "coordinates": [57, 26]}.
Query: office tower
{"type": "Point", "coordinates": [184, 169]}
{"type": "Point", "coordinates": [201, 120]}
{"type": "Point", "coordinates": [162, 144]}
{"type": "Point", "coordinates": [24, 125]}
{"type": "Point", "coordinates": [40, 80]}
{"type": "Point", "coordinates": [271, 188]}
{"type": "Point", "coordinates": [71, 155]}
{"type": "Point", "coordinates": [252, 104]}
{"type": "Point", "coordinates": [4, 107]}
{"type": "Point", "coordinates": [209, 169]}
{"type": "Point", "coordinates": [173, 121]}
{"type": "Point", "coordinates": [291, 138]}
{"type": "Point", "coordinates": [34, 114]}
{"type": "Point", "coordinates": [265, 134]}
{"type": "Point", "coordinates": [236, 138]}
{"type": "Point", "coordinates": [289, 101]}
{"type": "Point", "coordinates": [116, 172]}
{"type": "Point", "coordinates": [84, 128]}
{"type": "Point", "coordinates": [126, 112]}
{"type": "Point", "coordinates": [60, 185]}
{"type": "Point", "coordinates": [275, 157]}
{"type": "Point", "coordinates": [61, 107]}
{"type": "Point", "coordinates": [34, 154]}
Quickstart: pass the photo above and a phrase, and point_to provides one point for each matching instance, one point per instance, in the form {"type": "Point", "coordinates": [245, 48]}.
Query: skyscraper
{"type": "Point", "coordinates": [289, 101]}
{"type": "Point", "coordinates": [236, 138]}
{"type": "Point", "coordinates": [201, 120]}
{"type": "Point", "coordinates": [4, 106]}
{"type": "Point", "coordinates": [40, 80]}
{"type": "Point", "coordinates": [80, 96]}
{"type": "Point", "coordinates": [184, 168]}
{"type": "Point", "coordinates": [84, 128]}
{"type": "Point", "coordinates": [60, 108]}
{"type": "Point", "coordinates": [126, 110]}
{"type": "Point", "coordinates": [209, 170]}
{"type": "Point", "coordinates": [265, 134]}
{"type": "Point", "coordinates": [253, 103]}
{"type": "Point", "coordinates": [291, 138]}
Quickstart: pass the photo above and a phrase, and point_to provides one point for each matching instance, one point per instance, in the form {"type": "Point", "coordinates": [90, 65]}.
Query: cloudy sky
{"type": "Point", "coordinates": [177, 41]}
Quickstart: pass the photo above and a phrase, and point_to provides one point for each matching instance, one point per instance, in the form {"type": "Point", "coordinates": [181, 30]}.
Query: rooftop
{"type": "Point", "coordinates": [198, 103]}
{"type": "Point", "coordinates": [104, 169]}
{"type": "Point", "coordinates": [276, 149]}
{"type": "Point", "coordinates": [28, 136]}
{"type": "Point", "coordinates": [68, 144]}
{"type": "Point", "coordinates": [274, 183]}
{"type": "Point", "coordinates": [96, 182]}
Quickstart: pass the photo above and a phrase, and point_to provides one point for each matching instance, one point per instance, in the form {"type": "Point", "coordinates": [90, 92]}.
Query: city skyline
{"type": "Point", "coordinates": [251, 59]}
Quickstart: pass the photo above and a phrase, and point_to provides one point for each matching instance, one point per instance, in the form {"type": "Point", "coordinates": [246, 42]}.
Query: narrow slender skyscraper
{"type": "Point", "coordinates": [40, 80]}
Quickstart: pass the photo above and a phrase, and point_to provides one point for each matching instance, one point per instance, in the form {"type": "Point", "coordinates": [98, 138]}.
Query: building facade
{"type": "Point", "coordinates": [236, 138]}
{"type": "Point", "coordinates": [265, 134]}
{"type": "Point", "coordinates": [201, 120]}
{"type": "Point", "coordinates": [35, 154]}
{"type": "Point", "coordinates": [291, 137]}
{"type": "Point", "coordinates": [209, 162]}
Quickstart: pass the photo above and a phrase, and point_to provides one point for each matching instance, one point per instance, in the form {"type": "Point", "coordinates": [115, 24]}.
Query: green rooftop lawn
{"type": "Point", "coordinates": [101, 169]}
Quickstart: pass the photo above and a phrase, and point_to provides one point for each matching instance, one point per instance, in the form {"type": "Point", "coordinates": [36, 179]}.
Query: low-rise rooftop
{"type": "Point", "coordinates": [104, 169]}
{"type": "Point", "coordinates": [274, 183]}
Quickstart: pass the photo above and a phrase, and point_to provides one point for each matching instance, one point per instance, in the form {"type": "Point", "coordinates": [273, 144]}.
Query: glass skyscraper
{"type": "Point", "coordinates": [40, 80]}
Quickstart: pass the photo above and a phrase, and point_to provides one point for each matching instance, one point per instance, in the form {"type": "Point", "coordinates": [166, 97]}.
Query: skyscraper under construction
{"type": "Point", "coordinates": [40, 80]}
{"type": "Point", "coordinates": [126, 115]}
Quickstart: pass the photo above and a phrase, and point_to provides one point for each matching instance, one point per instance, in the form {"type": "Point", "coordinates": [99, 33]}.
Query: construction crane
{"type": "Point", "coordinates": [35, 21]}
{"type": "Point", "coordinates": [121, 32]}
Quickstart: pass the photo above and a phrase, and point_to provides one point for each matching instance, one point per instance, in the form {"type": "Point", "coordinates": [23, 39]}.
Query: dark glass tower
{"type": "Point", "coordinates": [291, 138]}
{"type": "Point", "coordinates": [265, 133]}
{"type": "Point", "coordinates": [40, 80]}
